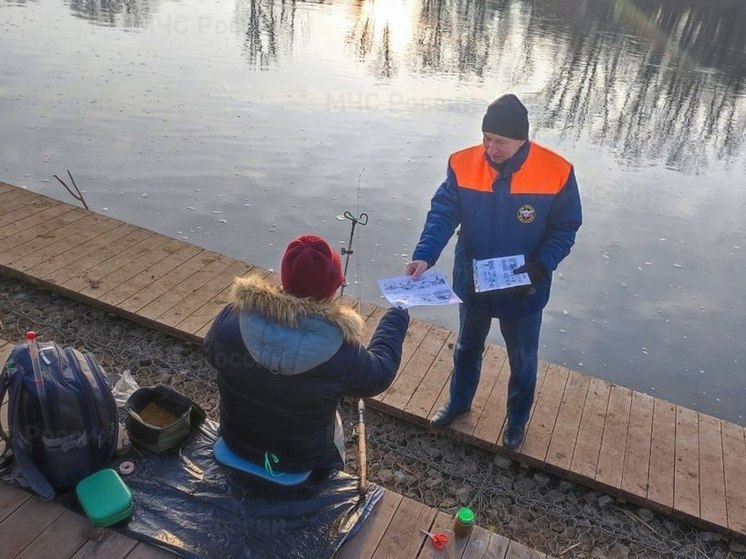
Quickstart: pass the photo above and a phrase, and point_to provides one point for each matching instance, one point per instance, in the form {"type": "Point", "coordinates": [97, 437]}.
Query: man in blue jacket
{"type": "Point", "coordinates": [285, 356]}
{"type": "Point", "coordinates": [509, 196]}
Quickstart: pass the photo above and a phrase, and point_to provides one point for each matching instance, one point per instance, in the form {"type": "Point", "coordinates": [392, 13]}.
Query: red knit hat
{"type": "Point", "coordinates": [311, 268]}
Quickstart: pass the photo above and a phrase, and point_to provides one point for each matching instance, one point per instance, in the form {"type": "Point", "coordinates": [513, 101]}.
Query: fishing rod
{"type": "Point", "coordinates": [362, 451]}
{"type": "Point", "coordinates": [362, 220]}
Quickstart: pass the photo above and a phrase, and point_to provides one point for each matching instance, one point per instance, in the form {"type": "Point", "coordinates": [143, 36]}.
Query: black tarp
{"type": "Point", "coordinates": [190, 504]}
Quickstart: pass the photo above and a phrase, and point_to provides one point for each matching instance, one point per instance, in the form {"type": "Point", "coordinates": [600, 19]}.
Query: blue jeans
{"type": "Point", "coordinates": [521, 337]}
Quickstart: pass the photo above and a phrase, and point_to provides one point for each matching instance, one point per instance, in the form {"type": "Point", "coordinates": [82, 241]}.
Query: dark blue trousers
{"type": "Point", "coordinates": [521, 337]}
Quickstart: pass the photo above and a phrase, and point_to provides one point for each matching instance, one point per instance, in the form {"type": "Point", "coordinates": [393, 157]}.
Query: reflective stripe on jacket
{"type": "Point", "coordinates": [531, 206]}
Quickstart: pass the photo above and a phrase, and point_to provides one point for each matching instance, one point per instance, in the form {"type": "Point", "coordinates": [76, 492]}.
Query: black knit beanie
{"type": "Point", "coordinates": [506, 116]}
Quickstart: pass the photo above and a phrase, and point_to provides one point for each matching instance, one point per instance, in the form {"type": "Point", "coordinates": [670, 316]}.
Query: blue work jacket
{"type": "Point", "coordinates": [529, 205]}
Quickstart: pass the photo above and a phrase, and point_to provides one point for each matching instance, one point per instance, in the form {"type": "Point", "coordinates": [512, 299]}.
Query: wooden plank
{"type": "Point", "coordinates": [491, 421]}
{"type": "Point", "coordinates": [100, 253]}
{"type": "Point", "coordinates": [9, 188]}
{"type": "Point", "coordinates": [497, 547]}
{"type": "Point", "coordinates": [476, 545]}
{"type": "Point", "coordinates": [23, 208]}
{"type": "Point", "coordinates": [26, 256]}
{"type": "Point", "coordinates": [402, 538]}
{"type": "Point", "coordinates": [261, 272]}
{"type": "Point", "coordinates": [26, 522]}
{"type": "Point", "coordinates": [734, 462]}
{"type": "Point", "coordinates": [371, 323]}
{"type": "Point", "coordinates": [416, 333]}
{"type": "Point", "coordinates": [686, 474]}
{"type": "Point", "coordinates": [11, 498]}
{"type": "Point", "coordinates": [62, 538]}
{"type": "Point", "coordinates": [90, 280]}
{"type": "Point", "coordinates": [614, 441]}
{"type": "Point", "coordinates": [445, 390]}
{"type": "Point", "coordinates": [637, 453]}
{"type": "Point", "coordinates": [662, 456]}
{"type": "Point", "coordinates": [205, 314]}
{"type": "Point", "coordinates": [204, 293]}
{"type": "Point", "coordinates": [712, 478]}
{"type": "Point", "coordinates": [409, 378]}
{"type": "Point", "coordinates": [97, 241]}
{"type": "Point", "coordinates": [38, 226]}
{"type": "Point", "coordinates": [120, 278]}
{"type": "Point", "coordinates": [443, 524]}
{"type": "Point", "coordinates": [112, 546]}
{"type": "Point", "coordinates": [364, 544]}
{"type": "Point", "coordinates": [541, 425]}
{"type": "Point", "coordinates": [562, 444]}
{"type": "Point", "coordinates": [435, 378]}
{"type": "Point", "coordinates": [494, 359]}
{"type": "Point", "coordinates": [193, 276]}
{"type": "Point", "coordinates": [517, 550]}
{"type": "Point", "coordinates": [11, 201]}
{"type": "Point", "coordinates": [147, 281]}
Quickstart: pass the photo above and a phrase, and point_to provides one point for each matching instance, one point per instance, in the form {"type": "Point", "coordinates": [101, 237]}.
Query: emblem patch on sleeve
{"type": "Point", "coordinates": [526, 213]}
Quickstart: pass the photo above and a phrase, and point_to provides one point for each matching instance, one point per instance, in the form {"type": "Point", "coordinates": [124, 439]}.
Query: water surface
{"type": "Point", "coordinates": [238, 124]}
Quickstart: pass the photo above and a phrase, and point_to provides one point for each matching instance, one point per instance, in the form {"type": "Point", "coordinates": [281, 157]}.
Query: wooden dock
{"type": "Point", "coordinates": [626, 443]}
{"type": "Point", "coordinates": [34, 529]}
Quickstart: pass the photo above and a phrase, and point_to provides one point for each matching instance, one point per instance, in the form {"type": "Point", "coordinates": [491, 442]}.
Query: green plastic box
{"type": "Point", "coordinates": [104, 497]}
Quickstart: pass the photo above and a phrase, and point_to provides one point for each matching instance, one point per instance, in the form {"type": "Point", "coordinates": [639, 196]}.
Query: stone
{"type": "Point", "coordinates": [463, 494]}
{"type": "Point", "coordinates": [619, 551]}
{"type": "Point", "coordinates": [433, 481]}
{"type": "Point", "coordinates": [542, 480]}
{"type": "Point", "coordinates": [448, 502]}
{"type": "Point", "coordinates": [565, 486]}
{"type": "Point", "coordinates": [646, 514]}
{"type": "Point", "coordinates": [605, 501]}
{"type": "Point", "coordinates": [434, 452]}
{"type": "Point", "coordinates": [591, 496]}
{"type": "Point", "coordinates": [502, 462]}
{"type": "Point", "coordinates": [710, 537]}
{"type": "Point", "coordinates": [399, 476]}
{"type": "Point", "coordinates": [386, 475]}
{"type": "Point", "coordinates": [736, 547]}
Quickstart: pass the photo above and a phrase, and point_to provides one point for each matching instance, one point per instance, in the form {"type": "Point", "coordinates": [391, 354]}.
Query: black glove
{"type": "Point", "coordinates": [536, 272]}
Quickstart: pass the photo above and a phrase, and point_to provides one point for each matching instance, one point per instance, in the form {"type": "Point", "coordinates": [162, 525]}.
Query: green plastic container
{"type": "Point", "coordinates": [464, 522]}
{"type": "Point", "coordinates": [104, 497]}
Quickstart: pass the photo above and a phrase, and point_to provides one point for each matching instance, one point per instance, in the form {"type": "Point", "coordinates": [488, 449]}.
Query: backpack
{"type": "Point", "coordinates": [64, 427]}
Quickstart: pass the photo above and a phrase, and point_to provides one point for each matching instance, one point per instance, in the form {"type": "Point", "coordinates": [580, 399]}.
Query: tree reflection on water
{"type": "Point", "coordinates": [651, 79]}
{"type": "Point", "coordinates": [266, 29]}
{"type": "Point", "coordinates": [115, 13]}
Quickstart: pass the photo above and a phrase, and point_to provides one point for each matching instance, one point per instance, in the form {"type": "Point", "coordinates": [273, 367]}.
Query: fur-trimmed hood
{"type": "Point", "coordinates": [255, 294]}
{"type": "Point", "coordinates": [288, 335]}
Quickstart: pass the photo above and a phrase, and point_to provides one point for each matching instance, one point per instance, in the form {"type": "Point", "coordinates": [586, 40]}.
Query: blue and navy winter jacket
{"type": "Point", "coordinates": [283, 364]}
{"type": "Point", "coordinates": [531, 206]}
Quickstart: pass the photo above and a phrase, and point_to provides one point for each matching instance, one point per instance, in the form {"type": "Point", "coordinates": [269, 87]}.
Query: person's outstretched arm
{"type": "Point", "coordinates": [442, 220]}
{"type": "Point", "coordinates": [373, 369]}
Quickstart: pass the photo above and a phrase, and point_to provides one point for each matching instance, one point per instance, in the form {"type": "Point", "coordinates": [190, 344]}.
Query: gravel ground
{"type": "Point", "coordinates": [543, 511]}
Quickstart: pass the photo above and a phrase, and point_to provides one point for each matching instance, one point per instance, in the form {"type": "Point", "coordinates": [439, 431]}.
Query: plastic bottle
{"type": "Point", "coordinates": [33, 349]}
{"type": "Point", "coordinates": [464, 522]}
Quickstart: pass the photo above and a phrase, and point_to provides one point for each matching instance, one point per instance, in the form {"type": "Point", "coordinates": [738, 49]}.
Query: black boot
{"type": "Point", "coordinates": [445, 416]}
{"type": "Point", "coordinates": [513, 437]}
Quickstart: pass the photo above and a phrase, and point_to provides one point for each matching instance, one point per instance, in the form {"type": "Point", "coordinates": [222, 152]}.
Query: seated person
{"type": "Point", "coordinates": [285, 356]}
